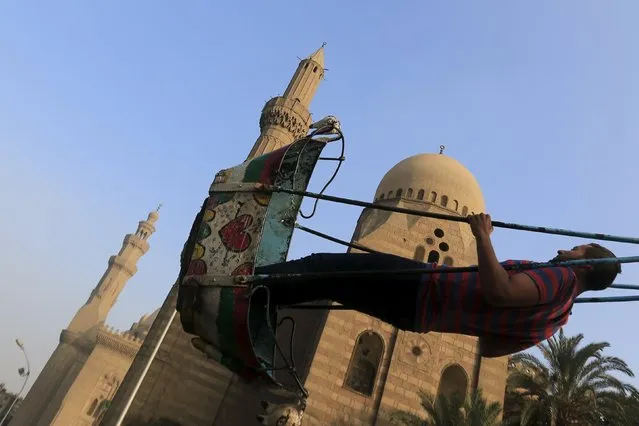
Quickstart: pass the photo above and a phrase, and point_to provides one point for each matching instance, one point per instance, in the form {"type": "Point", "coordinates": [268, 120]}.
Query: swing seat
{"type": "Point", "coordinates": [239, 227]}
{"type": "Point", "coordinates": [233, 327]}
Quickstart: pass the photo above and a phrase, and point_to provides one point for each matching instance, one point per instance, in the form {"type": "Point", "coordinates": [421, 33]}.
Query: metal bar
{"type": "Point", "coordinates": [496, 224]}
{"type": "Point", "coordinates": [607, 299]}
{"type": "Point", "coordinates": [26, 376]}
{"type": "Point", "coordinates": [138, 383]}
{"type": "Point", "coordinates": [369, 250]}
{"type": "Point", "coordinates": [625, 286]}
{"type": "Point", "coordinates": [236, 187]}
{"type": "Point", "coordinates": [335, 240]}
{"type": "Point", "coordinates": [614, 299]}
{"type": "Point", "coordinates": [332, 158]}
{"type": "Point", "coordinates": [444, 269]}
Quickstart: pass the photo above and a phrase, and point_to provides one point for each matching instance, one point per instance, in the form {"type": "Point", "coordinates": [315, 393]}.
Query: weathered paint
{"type": "Point", "coordinates": [238, 230]}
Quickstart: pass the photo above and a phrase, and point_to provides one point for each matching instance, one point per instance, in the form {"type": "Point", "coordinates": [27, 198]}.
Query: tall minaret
{"type": "Point", "coordinates": [78, 340]}
{"type": "Point", "coordinates": [120, 269]}
{"type": "Point", "coordinates": [286, 118]}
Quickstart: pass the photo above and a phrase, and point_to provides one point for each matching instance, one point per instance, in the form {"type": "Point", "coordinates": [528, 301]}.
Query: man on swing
{"type": "Point", "coordinates": [510, 311]}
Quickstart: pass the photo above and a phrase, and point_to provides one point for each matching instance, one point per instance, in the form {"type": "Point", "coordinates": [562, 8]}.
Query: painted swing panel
{"type": "Point", "coordinates": [295, 172]}
{"type": "Point", "coordinates": [228, 240]}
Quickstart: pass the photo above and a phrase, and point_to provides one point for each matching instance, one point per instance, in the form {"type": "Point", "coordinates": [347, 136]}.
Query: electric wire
{"type": "Point", "coordinates": [339, 160]}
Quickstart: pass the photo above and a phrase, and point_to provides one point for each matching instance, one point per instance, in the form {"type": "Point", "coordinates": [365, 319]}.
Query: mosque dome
{"type": "Point", "coordinates": [141, 328]}
{"type": "Point", "coordinates": [433, 179]}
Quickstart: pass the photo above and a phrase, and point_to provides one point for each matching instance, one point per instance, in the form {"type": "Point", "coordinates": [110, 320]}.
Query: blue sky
{"type": "Point", "coordinates": [109, 108]}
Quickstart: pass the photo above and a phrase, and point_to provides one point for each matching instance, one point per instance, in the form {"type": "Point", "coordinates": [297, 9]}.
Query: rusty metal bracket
{"type": "Point", "coordinates": [221, 281]}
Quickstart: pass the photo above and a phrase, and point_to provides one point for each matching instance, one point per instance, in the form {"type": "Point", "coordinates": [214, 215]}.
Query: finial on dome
{"type": "Point", "coordinates": [441, 149]}
{"type": "Point", "coordinates": [159, 207]}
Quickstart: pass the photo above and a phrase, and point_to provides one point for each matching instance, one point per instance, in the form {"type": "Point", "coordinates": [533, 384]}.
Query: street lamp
{"type": "Point", "coordinates": [22, 373]}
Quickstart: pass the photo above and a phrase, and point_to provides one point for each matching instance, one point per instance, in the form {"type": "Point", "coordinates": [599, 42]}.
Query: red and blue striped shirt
{"type": "Point", "coordinates": [453, 302]}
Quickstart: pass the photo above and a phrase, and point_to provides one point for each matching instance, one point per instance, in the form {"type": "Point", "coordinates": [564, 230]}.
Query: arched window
{"type": "Point", "coordinates": [399, 193]}
{"type": "Point", "coordinates": [420, 194]}
{"type": "Point", "coordinates": [409, 193]}
{"type": "Point", "coordinates": [390, 194]}
{"type": "Point", "coordinates": [91, 409]}
{"type": "Point", "coordinates": [454, 380]}
{"type": "Point", "coordinates": [381, 197]}
{"type": "Point", "coordinates": [465, 211]}
{"type": "Point", "coordinates": [444, 200]}
{"type": "Point", "coordinates": [433, 197]}
{"type": "Point", "coordinates": [455, 205]}
{"type": "Point", "coordinates": [448, 261]}
{"type": "Point", "coordinates": [420, 253]}
{"type": "Point", "coordinates": [365, 361]}
{"type": "Point", "coordinates": [433, 257]}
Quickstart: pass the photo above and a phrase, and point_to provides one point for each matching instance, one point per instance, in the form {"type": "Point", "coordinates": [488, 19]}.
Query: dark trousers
{"type": "Point", "coordinates": [390, 298]}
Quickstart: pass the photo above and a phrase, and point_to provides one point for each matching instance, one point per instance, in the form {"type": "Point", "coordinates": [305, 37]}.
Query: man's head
{"type": "Point", "coordinates": [596, 277]}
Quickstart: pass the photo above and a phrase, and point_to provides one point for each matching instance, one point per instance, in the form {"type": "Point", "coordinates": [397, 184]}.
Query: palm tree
{"type": "Point", "coordinates": [575, 385]}
{"type": "Point", "coordinates": [452, 411]}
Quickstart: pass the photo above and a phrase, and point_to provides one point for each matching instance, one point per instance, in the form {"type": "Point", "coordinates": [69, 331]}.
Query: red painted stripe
{"type": "Point", "coordinates": [241, 328]}
{"type": "Point", "coordinates": [272, 166]}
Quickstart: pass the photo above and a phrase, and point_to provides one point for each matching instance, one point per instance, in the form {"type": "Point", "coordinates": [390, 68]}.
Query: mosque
{"type": "Point", "coordinates": [356, 368]}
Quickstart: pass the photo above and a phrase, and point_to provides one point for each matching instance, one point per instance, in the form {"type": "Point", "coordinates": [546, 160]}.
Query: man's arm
{"type": "Point", "coordinates": [498, 288]}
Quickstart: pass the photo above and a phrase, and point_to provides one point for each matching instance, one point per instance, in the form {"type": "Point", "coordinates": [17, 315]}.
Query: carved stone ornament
{"type": "Point", "coordinates": [418, 350]}
{"type": "Point", "coordinates": [283, 117]}
{"type": "Point", "coordinates": [123, 343]}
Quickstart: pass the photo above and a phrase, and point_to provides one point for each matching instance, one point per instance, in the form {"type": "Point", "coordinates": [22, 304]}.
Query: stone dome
{"type": "Point", "coordinates": [434, 179]}
{"type": "Point", "coordinates": [141, 328]}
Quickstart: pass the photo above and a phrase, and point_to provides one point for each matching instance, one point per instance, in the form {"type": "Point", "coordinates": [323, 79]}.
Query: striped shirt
{"type": "Point", "coordinates": [452, 302]}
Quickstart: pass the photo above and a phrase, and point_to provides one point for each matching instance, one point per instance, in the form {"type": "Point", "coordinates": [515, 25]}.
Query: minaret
{"type": "Point", "coordinates": [77, 341]}
{"type": "Point", "coordinates": [286, 118]}
{"type": "Point", "coordinates": [120, 269]}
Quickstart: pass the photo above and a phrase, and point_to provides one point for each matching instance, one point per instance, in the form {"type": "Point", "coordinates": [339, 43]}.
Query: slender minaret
{"type": "Point", "coordinates": [121, 268]}
{"type": "Point", "coordinates": [286, 118]}
{"type": "Point", "coordinates": [78, 340]}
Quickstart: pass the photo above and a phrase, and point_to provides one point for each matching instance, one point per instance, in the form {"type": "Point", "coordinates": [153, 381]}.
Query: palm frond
{"type": "Point", "coordinates": [572, 382]}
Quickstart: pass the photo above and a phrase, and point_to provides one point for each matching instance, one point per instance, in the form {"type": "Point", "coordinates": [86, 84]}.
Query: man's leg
{"type": "Point", "coordinates": [391, 298]}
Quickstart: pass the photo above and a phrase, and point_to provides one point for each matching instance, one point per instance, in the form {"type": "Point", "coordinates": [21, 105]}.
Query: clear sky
{"type": "Point", "coordinates": [109, 108]}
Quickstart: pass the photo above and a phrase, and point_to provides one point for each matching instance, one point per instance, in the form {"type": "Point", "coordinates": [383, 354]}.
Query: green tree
{"type": "Point", "coordinates": [572, 385]}
{"type": "Point", "coordinates": [452, 411]}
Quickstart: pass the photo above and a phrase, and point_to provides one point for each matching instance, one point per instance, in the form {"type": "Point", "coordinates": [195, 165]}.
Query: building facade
{"type": "Point", "coordinates": [80, 378]}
